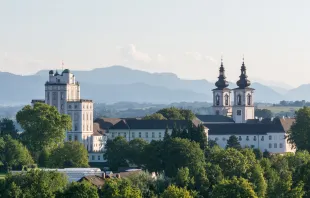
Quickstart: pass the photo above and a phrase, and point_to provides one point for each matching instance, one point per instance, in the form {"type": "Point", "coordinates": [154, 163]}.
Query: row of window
{"type": "Point", "coordinates": [226, 98]}
{"type": "Point", "coordinates": [275, 145]}
{"type": "Point", "coordinates": [133, 134]}
{"type": "Point", "coordinates": [254, 138]}
{"type": "Point", "coordinates": [93, 157]}
{"type": "Point", "coordinates": [75, 138]}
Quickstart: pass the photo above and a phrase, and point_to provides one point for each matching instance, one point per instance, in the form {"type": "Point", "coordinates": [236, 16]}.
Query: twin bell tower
{"type": "Point", "coordinates": [241, 108]}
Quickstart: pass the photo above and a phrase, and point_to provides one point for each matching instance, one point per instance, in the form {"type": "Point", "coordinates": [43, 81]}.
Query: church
{"type": "Point", "coordinates": [236, 117]}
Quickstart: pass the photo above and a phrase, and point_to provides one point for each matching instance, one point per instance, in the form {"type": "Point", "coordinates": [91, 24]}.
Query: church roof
{"type": "Point", "coordinates": [222, 82]}
{"type": "Point", "coordinates": [281, 126]}
{"type": "Point", "coordinates": [214, 118]}
{"type": "Point", "coordinates": [150, 124]}
{"type": "Point", "coordinates": [101, 125]}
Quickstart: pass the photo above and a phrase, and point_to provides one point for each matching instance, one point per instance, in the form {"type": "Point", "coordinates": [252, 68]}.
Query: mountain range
{"type": "Point", "coordinates": [119, 83]}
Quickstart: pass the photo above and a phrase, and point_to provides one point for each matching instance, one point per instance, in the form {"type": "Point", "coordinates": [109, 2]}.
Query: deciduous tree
{"type": "Point", "coordinates": [233, 142]}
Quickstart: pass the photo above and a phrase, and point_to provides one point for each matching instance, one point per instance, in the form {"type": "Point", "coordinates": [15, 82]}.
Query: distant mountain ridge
{"type": "Point", "coordinates": [118, 83]}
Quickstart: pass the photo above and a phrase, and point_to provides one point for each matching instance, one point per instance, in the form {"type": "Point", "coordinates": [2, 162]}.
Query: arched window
{"type": "Point", "coordinates": [239, 99]}
{"type": "Point", "coordinates": [217, 98]}
{"type": "Point", "coordinates": [249, 99]}
{"type": "Point", "coordinates": [226, 100]}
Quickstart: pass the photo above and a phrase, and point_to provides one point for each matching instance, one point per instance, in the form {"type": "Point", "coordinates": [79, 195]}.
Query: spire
{"type": "Point", "coordinates": [221, 83]}
{"type": "Point", "coordinates": [243, 82]}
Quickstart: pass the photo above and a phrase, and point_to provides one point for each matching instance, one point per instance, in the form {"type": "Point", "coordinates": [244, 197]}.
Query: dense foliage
{"type": "Point", "coordinates": [171, 113]}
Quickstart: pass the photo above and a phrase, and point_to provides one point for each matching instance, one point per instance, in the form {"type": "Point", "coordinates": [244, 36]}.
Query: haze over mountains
{"type": "Point", "coordinates": [118, 83]}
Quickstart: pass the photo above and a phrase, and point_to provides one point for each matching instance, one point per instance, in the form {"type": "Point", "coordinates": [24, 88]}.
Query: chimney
{"type": "Point", "coordinates": [103, 175]}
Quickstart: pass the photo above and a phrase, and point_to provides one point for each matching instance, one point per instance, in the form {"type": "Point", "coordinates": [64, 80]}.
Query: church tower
{"type": "Point", "coordinates": [221, 95]}
{"type": "Point", "coordinates": [243, 108]}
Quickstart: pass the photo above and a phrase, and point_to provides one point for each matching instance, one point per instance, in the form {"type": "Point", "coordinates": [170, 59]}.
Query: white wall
{"type": "Point", "coordinates": [277, 143]}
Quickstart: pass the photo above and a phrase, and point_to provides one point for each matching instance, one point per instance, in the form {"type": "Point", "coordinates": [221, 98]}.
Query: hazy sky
{"type": "Point", "coordinates": [186, 37]}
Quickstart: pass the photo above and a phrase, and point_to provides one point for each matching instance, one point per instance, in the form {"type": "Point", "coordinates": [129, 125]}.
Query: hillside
{"type": "Point", "coordinates": [118, 83]}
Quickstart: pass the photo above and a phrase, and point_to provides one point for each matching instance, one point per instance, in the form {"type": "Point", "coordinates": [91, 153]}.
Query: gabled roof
{"type": "Point", "coordinates": [287, 123]}
{"type": "Point", "coordinates": [150, 124]}
{"type": "Point", "coordinates": [214, 118]}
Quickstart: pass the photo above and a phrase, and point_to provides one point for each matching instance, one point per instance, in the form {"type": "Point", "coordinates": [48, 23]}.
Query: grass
{"type": "Point", "coordinates": [279, 109]}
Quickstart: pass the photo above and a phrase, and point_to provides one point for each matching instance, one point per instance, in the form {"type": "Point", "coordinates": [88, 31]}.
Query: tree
{"type": "Point", "coordinates": [263, 113]}
{"type": "Point", "coordinates": [116, 153]}
{"type": "Point", "coordinates": [154, 162]}
{"type": "Point", "coordinates": [166, 136]}
{"type": "Point", "coordinates": [198, 135]}
{"type": "Point", "coordinates": [120, 188]}
{"type": "Point", "coordinates": [240, 188]}
{"type": "Point", "coordinates": [7, 127]}
{"type": "Point", "coordinates": [174, 113]}
{"type": "Point", "coordinates": [258, 153]}
{"type": "Point", "coordinates": [258, 180]}
{"type": "Point", "coordinates": [44, 126]}
{"type": "Point", "coordinates": [70, 154]}
{"type": "Point", "coordinates": [136, 151]}
{"type": "Point", "coordinates": [34, 183]}
{"type": "Point", "coordinates": [155, 116]}
{"type": "Point", "coordinates": [82, 189]}
{"type": "Point", "coordinates": [175, 192]}
{"type": "Point", "coordinates": [299, 134]}
{"type": "Point", "coordinates": [183, 178]}
{"type": "Point", "coordinates": [13, 153]}
{"type": "Point", "coordinates": [233, 142]}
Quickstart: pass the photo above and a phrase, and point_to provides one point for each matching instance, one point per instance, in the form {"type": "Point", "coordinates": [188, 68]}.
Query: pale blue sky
{"type": "Point", "coordinates": [186, 37]}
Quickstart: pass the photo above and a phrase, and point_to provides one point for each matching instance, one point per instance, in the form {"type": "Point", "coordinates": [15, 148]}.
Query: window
{"type": "Point", "coordinates": [75, 106]}
{"type": "Point", "coordinates": [262, 139]}
{"type": "Point", "coordinates": [98, 157]}
{"type": "Point", "coordinates": [240, 138]}
{"type": "Point", "coordinates": [280, 145]}
{"type": "Point", "coordinates": [224, 139]}
{"type": "Point", "coordinates": [133, 134]}
{"type": "Point", "coordinates": [124, 135]}
{"type": "Point", "coordinates": [153, 135]}
{"type": "Point", "coordinates": [76, 127]}
{"type": "Point", "coordinates": [275, 145]}
{"type": "Point", "coordinates": [54, 95]}
{"type": "Point", "coordinates": [159, 134]}
{"type": "Point", "coordinates": [239, 112]}
{"type": "Point", "coordinates": [226, 99]}
{"type": "Point", "coordinates": [247, 138]}
{"type": "Point", "coordinates": [146, 134]}
{"type": "Point", "coordinates": [270, 145]}
{"type": "Point", "coordinates": [113, 135]}
{"type": "Point", "coordinates": [70, 138]}
{"type": "Point", "coordinates": [217, 100]}
{"type": "Point", "coordinates": [139, 134]}
{"type": "Point", "coordinates": [75, 138]}
{"type": "Point", "coordinates": [62, 96]}
{"type": "Point", "coordinates": [86, 127]}
{"type": "Point", "coordinates": [239, 99]}
{"type": "Point", "coordinates": [270, 137]}
{"type": "Point", "coordinates": [216, 139]}
{"type": "Point", "coordinates": [249, 99]}
{"type": "Point", "coordinates": [254, 138]}
{"type": "Point", "coordinates": [92, 157]}
{"type": "Point", "coordinates": [252, 146]}
{"type": "Point", "coordinates": [119, 134]}
{"type": "Point", "coordinates": [83, 116]}
{"type": "Point", "coordinates": [70, 106]}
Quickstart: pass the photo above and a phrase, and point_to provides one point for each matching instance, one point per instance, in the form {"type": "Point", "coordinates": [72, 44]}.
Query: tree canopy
{"type": "Point", "coordinates": [171, 113]}
{"type": "Point", "coordinates": [70, 154]}
{"type": "Point", "coordinates": [233, 142]}
{"type": "Point", "coordinates": [7, 127]}
{"type": "Point", "coordinates": [44, 126]}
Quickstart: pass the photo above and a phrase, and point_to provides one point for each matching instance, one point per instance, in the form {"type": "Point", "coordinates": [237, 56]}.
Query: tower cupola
{"type": "Point", "coordinates": [221, 83]}
{"type": "Point", "coordinates": [243, 81]}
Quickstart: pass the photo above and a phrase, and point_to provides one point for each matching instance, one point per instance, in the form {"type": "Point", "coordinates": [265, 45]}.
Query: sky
{"type": "Point", "coordinates": [185, 37]}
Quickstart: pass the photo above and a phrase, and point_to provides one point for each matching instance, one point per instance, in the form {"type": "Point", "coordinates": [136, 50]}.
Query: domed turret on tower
{"type": "Point", "coordinates": [222, 82]}
{"type": "Point", "coordinates": [243, 82]}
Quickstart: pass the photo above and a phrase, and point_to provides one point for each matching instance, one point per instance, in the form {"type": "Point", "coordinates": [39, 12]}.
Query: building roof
{"type": "Point", "coordinates": [214, 119]}
{"type": "Point", "coordinates": [94, 179]}
{"type": "Point", "coordinates": [150, 124]}
{"type": "Point", "coordinates": [281, 126]}
{"type": "Point", "coordinates": [101, 125]}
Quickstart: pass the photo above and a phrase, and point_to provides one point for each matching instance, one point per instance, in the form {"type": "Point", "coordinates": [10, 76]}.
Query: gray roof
{"type": "Point", "coordinates": [150, 124]}
{"type": "Point", "coordinates": [245, 128]}
{"type": "Point", "coordinates": [214, 118]}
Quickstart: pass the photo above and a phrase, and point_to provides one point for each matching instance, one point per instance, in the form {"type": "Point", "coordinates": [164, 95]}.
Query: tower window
{"type": "Point", "coordinates": [249, 99]}
{"type": "Point", "coordinates": [226, 99]}
{"type": "Point", "coordinates": [239, 112]}
{"type": "Point", "coordinates": [217, 100]}
{"type": "Point", "coordinates": [239, 99]}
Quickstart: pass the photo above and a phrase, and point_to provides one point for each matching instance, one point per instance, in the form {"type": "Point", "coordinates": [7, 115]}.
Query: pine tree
{"type": "Point", "coordinates": [233, 142]}
{"type": "Point", "coordinates": [166, 136]}
{"type": "Point", "coordinates": [174, 132]}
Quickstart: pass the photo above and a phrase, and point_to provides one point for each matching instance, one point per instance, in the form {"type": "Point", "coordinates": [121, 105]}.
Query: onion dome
{"type": "Point", "coordinates": [66, 71]}
{"type": "Point", "coordinates": [51, 72]}
{"type": "Point", "coordinates": [243, 82]}
{"type": "Point", "coordinates": [221, 83]}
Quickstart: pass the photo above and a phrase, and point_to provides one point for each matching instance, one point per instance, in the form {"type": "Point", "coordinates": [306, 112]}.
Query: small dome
{"type": "Point", "coordinates": [66, 71]}
{"type": "Point", "coordinates": [51, 72]}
